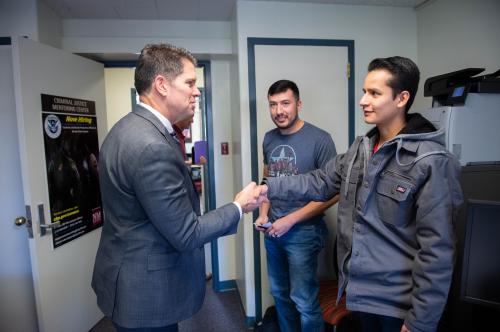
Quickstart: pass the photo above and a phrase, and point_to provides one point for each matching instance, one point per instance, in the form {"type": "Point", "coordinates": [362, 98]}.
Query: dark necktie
{"type": "Point", "coordinates": [181, 144]}
{"type": "Point", "coordinates": [174, 136]}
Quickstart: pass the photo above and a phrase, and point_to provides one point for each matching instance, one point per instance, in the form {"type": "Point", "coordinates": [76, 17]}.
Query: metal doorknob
{"type": "Point", "coordinates": [19, 221]}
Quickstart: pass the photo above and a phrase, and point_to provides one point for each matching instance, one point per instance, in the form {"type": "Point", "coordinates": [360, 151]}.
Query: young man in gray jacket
{"type": "Point", "coordinates": [399, 194]}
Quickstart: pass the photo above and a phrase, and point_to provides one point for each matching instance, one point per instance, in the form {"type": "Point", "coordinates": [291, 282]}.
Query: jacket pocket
{"type": "Point", "coordinates": [394, 200]}
{"type": "Point", "coordinates": [163, 261]}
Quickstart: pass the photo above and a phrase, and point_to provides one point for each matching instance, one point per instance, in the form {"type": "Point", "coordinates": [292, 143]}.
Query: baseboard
{"type": "Point", "coordinates": [225, 285]}
{"type": "Point", "coordinates": [250, 322]}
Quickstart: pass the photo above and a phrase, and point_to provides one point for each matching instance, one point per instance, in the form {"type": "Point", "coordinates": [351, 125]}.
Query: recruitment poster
{"type": "Point", "coordinates": [71, 153]}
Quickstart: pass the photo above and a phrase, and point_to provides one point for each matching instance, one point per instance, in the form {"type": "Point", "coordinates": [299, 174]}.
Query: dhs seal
{"type": "Point", "coordinates": [52, 126]}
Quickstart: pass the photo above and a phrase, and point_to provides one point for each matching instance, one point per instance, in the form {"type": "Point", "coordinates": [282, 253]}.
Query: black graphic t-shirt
{"type": "Point", "coordinates": [308, 149]}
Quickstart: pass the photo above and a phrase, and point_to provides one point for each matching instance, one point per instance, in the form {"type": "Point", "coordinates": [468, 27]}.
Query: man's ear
{"type": "Point", "coordinates": [160, 85]}
{"type": "Point", "coordinates": [403, 98]}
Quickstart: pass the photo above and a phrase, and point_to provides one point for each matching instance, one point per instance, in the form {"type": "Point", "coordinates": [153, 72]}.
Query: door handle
{"type": "Point", "coordinates": [44, 226]}
{"type": "Point", "coordinates": [51, 226]}
{"type": "Point", "coordinates": [19, 221]}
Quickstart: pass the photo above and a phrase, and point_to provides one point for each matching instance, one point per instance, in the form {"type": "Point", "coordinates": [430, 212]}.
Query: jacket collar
{"type": "Point", "coordinates": [149, 116]}
{"type": "Point", "coordinates": [417, 128]}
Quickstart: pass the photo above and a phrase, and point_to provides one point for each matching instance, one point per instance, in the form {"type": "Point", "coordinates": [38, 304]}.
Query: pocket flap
{"type": "Point", "coordinates": [163, 261]}
{"type": "Point", "coordinates": [393, 188]}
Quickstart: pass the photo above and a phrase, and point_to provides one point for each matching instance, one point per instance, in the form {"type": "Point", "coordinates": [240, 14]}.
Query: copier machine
{"type": "Point", "coordinates": [468, 107]}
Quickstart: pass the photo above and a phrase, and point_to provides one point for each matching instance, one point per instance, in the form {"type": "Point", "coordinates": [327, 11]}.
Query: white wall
{"type": "Point", "coordinates": [221, 112]}
{"type": "Point", "coordinates": [19, 18]}
{"type": "Point", "coordinates": [130, 36]}
{"type": "Point", "coordinates": [49, 26]}
{"type": "Point", "coordinates": [30, 18]}
{"type": "Point", "coordinates": [243, 251]}
{"type": "Point", "coordinates": [376, 31]}
{"type": "Point", "coordinates": [456, 34]}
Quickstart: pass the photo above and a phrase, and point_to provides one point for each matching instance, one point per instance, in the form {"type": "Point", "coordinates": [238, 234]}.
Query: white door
{"type": "Point", "coordinates": [62, 276]}
{"type": "Point", "coordinates": [17, 300]}
{"type": "Point", "coordinates": [321, 75]}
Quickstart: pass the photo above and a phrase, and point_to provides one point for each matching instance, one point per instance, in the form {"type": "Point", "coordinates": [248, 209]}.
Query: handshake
{"type": "Point", "coordinates": [251, 197]}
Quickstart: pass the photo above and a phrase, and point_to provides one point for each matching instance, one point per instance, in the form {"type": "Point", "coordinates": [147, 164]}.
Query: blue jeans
{"type": "Point", "coordinates": [292, 262]}
{"type": "Point", "coordinates": [378, 323]}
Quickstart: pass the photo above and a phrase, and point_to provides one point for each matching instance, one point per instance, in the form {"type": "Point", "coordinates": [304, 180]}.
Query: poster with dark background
{"type": "Point", "coordinates": [71, 154]}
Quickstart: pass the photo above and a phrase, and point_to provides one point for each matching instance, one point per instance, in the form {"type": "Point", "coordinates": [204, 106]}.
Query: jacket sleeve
{"type": "Point", "coordinates": [160, 184]}
{"type": "Point", "coordinates": [318, 185]}
{"type": "Point", "coordinates": [437, 204]}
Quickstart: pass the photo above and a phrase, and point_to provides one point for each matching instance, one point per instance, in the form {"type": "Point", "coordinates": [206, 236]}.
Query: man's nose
{"type": "Point", "coordinates": [197, 92]}
{"type": "Point", "coordinates": [363, 101]}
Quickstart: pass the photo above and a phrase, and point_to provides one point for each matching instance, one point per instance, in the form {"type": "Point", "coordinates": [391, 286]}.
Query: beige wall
{"type": "Point", "coordinates": [118, 82]}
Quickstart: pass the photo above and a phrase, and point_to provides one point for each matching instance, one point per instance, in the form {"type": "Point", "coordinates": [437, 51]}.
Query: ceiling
{"type": "Point", "coordinates": [191, 10]}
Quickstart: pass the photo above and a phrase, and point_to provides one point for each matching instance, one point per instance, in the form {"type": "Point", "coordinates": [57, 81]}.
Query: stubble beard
{"type": "Point", "coordinates": [290, 125]}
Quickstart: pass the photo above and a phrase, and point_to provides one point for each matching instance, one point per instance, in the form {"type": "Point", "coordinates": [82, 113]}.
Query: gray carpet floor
{"type": "Point", "coordinates": [220, 312]}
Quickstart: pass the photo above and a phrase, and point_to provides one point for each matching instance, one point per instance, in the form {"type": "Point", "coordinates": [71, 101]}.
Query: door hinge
{"type": "Point", "coordinates": [348, 70]}
{"type": "Point", "coordinates": [29, 222]}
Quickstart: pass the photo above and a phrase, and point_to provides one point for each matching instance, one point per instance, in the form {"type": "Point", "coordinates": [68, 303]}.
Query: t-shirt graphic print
{"type": "Point", "coordinates": [283, 161]}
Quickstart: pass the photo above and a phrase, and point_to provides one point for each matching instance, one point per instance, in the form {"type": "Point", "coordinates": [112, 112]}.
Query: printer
{"type": "Point", "coordinates": [467, 106]}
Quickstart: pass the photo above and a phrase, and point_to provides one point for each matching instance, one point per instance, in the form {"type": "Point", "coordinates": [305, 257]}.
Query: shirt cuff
{"type": "Point", "coordinates": [239, 208]}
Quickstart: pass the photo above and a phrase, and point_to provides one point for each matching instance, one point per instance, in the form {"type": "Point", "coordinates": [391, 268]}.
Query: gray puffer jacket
{"type": "Point", "coordinates": [395, 221]}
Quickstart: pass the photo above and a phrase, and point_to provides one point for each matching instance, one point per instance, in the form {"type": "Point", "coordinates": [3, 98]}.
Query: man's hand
{"type": "Point", "coordinates": [251, 197]}
{"type": "Point", "coordinates": [404, 328]}
{"type": "Point", "coordinates": [280, 227]}
{"type": "Point", "coordinates": [261, 220]}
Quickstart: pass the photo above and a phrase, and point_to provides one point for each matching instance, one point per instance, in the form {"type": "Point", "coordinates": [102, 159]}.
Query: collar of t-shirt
{"type": "Point", "coordinates": [375, 147]}
{"type": "Point", "coordinates": [160, 117]}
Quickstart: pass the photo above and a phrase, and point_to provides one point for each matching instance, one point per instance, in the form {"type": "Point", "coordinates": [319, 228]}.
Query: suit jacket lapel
{"type": "Point", "coordinates": [147, 115]}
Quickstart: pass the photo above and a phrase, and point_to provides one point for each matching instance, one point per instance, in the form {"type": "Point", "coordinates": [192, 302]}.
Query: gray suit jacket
{"type": "Point", "coordinates": [150, 266]}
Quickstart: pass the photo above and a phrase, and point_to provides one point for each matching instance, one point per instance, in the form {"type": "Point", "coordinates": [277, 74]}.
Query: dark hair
{"type": "Point", "coordinates": [282, 86]}
{"type": "Point", "coordinates": [159, 59]}
{"type": "Point", "coordinates": [405, 75]}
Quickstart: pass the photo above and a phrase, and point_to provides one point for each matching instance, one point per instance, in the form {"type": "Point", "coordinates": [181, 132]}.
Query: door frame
{"type": "Point", "coordinates": [217, 284]}
{"type": "Point", "coordinates": [252, 42]}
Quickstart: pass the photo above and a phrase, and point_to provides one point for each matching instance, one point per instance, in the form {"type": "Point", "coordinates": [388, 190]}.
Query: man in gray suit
{"type": "Point", "coordinates": [149, 272]}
